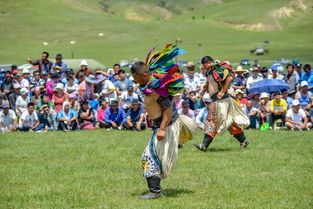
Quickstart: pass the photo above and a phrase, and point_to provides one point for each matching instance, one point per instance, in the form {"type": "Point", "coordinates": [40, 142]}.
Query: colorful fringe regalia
{"type": "Point", "coordinates": [166, 79]}
{"type": "Point", "coordinates": [220, 72]}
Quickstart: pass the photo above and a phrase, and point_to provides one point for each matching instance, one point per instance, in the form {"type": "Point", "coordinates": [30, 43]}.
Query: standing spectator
{"type": "Point", "coordinates": [86, 116]}
{"type": "Point", "coordinates": [264, 108]}
{"type": "Point", "coordinates": [101, 112]}
{"type": "Point", "coordinates": [7, 86]}
{"type": "Point", "coordinates": [22, 101]}
{"type": "Point", "coordinates": [275, 74]}
{"type": "Point", "coordinates": [13, 96]}
{"type": "Point", "coordinates": [7, 119]}
{"type": "Point", "coordinates": [292, 79]}
{"type": "Point", "coordinates": [59, 97]}
{"type": "Point", "coordinates": [86, 88]}
{"type": "Point", "coordinates": [115, 116]}
{"type": "Point", "coordinates": [255, 77]}
{"type": "Point", "coordinates": [127, 97]}
{"type": "Point", "coordinates": [135, 117]}
{"type": "Point", "coordinates": [239, 81]}
{"type": "Point", "coordinates": [43, 63]}
{"type": "Point", "coordinates": [192, 83]}
{"type": "Point", "coordinates": [307, 76]}
{"type": "Point", "coordinates": [29, 119]}
{"type": "Point", "coordinates": [58, 62]}
{"type": "Point", "coordinates": [278, 107]}
{"type": "Point", "coordinates": [304, 97]}
{"type": "Point", "coordinates": [47, 119]}
{"type": "Point", "coordinates": [122, 84]}
{"type": "Point", "coordinates": [186, 110]}
{"type": "Point", "coordinates": [296, 118]}
{"type": "Point", "coordinates": [252, 113]}
{"type": "Point", "coordinates": [202, 116]}
{"type": "Point", "coordinates": [71, 87]}
{"type": "Point", "coordinates": [83, 69]}
{"type": "Point", "coordinates": [67, 118]}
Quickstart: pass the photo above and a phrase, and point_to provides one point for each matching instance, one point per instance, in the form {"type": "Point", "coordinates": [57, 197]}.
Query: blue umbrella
{"type": "Point", "coordinates": [268, 85]}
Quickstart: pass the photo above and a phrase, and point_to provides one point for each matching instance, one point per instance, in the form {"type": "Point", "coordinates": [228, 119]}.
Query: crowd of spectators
{"type": "Point", "coordinates": [54, 97]}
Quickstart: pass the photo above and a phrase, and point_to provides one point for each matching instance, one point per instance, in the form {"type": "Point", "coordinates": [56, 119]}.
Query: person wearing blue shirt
{"type": "Point", "coordinates": [69, 73]}
{"type": "Point", "coordinates": [307, 75]}
{"type": "Point", "coordinates": [135, 117]}
{"type": "Point", "coordinates": [67, 118]}
{"type": "Point", "coordinates": [60, 63]}
{"type": "Point", "coordinates": [122, 84]}
{"type": "Point", "coordinates": [115, 116]}
{"type": "Point", "coordinates": [202, 116]}
{"type": "Point", "coordinates": [251, 112]}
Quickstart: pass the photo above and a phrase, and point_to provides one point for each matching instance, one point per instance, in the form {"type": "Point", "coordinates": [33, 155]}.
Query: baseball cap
{"type": "Point", "coordinates": [295, 102]}
{"type": "Point", "coordinates": [59, 56]}
{"type": "Point", "coordinates": [274, 67]}
{"type": "Point", "coordinates": [130, 88]}
{"type": "Point", "coordinates": [135, 101]}
{"type": "Point", "coordinates": [304, 83]}
{"type": "Point", "coordinates": [185, 103]}
{"type": "Point", "coordinates": [113, 102]}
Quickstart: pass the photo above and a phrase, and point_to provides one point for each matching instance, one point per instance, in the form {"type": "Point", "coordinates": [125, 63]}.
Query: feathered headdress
{"type": "Point", "coordinates": [165, 79]}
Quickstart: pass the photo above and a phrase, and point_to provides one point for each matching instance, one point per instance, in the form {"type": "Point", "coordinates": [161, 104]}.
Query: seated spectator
{"type": "Point", "coordinates": [86, 88]}
{"type": "Point", "coordinates": [71, 87]}
{"type": "Point", "coordinates": [202, 116]}
{"type": "Point", "coordinates": [194, 101]}
{"type": "Point", "coordinates": [43, 63]}
{"type": "Point", "coordinates": [292, 79]}
{"type": "Point", "coordinates": [2, 101]}
{"type": "Point", "coordinates": [115, 116]}
{"type": "Point", "coordinates": [67, 118]}
{"type": "Point", "coordinates": [7, 119]}
{"type": "Point", "coordinates": [252, 113]}
{"type": "Point", "coordinates": [108, 89]}
{"type": "Point", "coordinates": [192, 83]}
{"type": "Point", "coordinates": [127, 97]}
{"type": "Point", "coordinates": [94, 102]}
{"type": "Point", "coordinates": [51, 84]}
{"type": "Point", "coordinates": [86, 116]}
{"type": "Point", "coordinates": [115, 70]}
{"type": "Point", "coordinates": [37, 82]}
{"type": "Point", "coordinates": [59, 97]}
{"type": "Point", "coordinates": [264, 109]}
{"type": "Point", "coordinates": [22, 101]}
{"type": "Point", "coordinates": [6, 86]}
{"type": "Point", "coordinates": [307, 76]}
{"type": "Point", "coordinates": [23, 81]}
{"type": "Point", "coordinates": [278, 108]}
{"type": "Point", "coordinates": [239, 98]}
{"type": "Point", "coordinates": [29, 119]}
{"type": "Point", "coordinates": [304, 97]}
{"type": "Point", "coordinates": [83, 69]}
{"type": "Point", "coordinates": [13, 96]}
{"type": "Point", "coordinates": [74, 103]}
{"type": "Point", "coordinates": [186, 110]}
{"type": "Point", "coordinates": [285, 96]}
{"type": "Point", "coordinates": [135, 117]}
{"type": "Point", "coordinates": [44, 101]}
{"type": "Point", "coordinates": [296, 118]}
{"type": "Point", "coordinates": [255, 100]}
{"type": "Point", "coordinates": [36, 98]}
{"type": "Point", "coordinates": [47, 119]}
{"type": "Point", "coordinates": [101, 111]}
{"type": "Point", "coordinates": [69, 73]}
{"type": "Point", "coordinates": [123, 83]}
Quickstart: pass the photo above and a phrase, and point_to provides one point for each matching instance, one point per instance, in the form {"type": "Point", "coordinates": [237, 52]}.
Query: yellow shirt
{"type": "Point", "coordinates": [281, 105]}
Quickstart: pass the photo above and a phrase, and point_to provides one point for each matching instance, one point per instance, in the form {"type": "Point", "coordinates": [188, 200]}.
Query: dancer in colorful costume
{"type": "Point", "coordinates": [224, 113]}
{"type": "Point", "coordinates": [159, 80]}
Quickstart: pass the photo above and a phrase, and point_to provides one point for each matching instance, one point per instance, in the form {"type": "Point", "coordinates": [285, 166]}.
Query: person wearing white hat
{"type": "Point", "coordinates": [296, 118]}
{"type": "Point", "coordinates": [7, 119]}
{"type": "Point", "coordinates": [201, 117]}
{"type": "Point", "coordinates": [239, 81]}
{"type": "Point", "coordinates": [22, 101]}
{"type": "Point", "coordinates": [239, 97]}
{"type": "Point", "coordinates": [255, 77]}
{"type": "Point", "coordinates": [59, 97]}
{"type": "Point", "coordinates": [304, 97]}
{"type": "Point", "coordinates": [264, 108]}
{"type": "Point", "coordinates": [83, 68]}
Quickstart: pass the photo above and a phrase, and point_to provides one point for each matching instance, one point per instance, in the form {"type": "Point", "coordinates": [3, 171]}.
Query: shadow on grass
{"type": "Point", "coordinates": [219, 149]}
{"type": "Point", "coordinates": [170, 192]}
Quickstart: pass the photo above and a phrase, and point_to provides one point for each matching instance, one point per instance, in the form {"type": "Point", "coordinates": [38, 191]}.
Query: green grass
{"type": "Point", "coordinates": [25, 25]}
{"type": "Point", "coordinates": [101, 169]}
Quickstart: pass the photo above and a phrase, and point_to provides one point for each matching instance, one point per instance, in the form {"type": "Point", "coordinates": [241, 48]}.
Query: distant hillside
{"type": "Point", "coordinates": [112, 30]}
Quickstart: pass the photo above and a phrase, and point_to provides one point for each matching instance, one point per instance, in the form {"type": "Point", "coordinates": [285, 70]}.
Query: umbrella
{"type": "Point", "coordinates": [268, 85]}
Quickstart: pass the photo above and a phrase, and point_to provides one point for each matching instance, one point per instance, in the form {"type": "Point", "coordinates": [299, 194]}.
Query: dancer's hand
{"type": "Point", "coordinates": [160, 134]}
{"type": "Point", "coordinates": [220, 95]}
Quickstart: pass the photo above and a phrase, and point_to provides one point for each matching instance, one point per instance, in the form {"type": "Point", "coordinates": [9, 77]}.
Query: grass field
{"type": "Point", "coordinates": [101, 169]}
{"type": "Point", "coordinates": [138, 25]}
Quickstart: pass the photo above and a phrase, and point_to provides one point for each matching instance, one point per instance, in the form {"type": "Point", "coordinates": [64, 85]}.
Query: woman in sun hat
{"type": "Point", "coordinates": [86, 88]}
{"type": "Point", "coordinates": [59, 97]}
{"type": "Point", "coordinates": [22, 101]}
